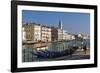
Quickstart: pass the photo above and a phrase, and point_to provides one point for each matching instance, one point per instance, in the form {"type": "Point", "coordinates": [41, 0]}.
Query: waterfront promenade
{"type": "Point", "coordinates": [78, 55]}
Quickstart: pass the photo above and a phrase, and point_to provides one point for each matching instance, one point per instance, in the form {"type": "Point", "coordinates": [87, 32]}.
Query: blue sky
{"type": "Point", "coordinates": [72, 22]}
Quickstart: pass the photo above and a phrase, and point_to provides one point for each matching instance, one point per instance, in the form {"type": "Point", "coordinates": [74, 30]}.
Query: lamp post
{"type": "Point", "coordinates": [82, 45]}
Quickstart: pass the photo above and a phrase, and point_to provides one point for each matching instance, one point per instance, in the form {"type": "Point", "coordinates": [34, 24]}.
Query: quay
{"type": "Point", "coordinates": [77, 55]}
{"type": "Point", "coordinates": [43, 47]}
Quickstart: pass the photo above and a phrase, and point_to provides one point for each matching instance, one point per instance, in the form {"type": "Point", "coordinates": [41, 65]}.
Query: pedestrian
{"type": "Point", "coordinates": [85, 49]}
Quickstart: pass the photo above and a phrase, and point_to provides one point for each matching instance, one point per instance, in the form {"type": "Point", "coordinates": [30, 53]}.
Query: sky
{"type": "Point", "coordinates": [74, 23]}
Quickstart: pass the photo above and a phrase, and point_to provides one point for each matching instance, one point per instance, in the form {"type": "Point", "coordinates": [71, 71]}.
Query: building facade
{"type": "Point", "coordinates": [49, 34]}
{"type": "Point", "coordinates": [60, 31]}
{"type": "Point", "coordinates": [45, 33]}
{"type": "Point", "coordinates": [54, 34]}
{"type": "Point", "coordinates": [37, 32]}
{"type": "Point", "coordinates": [42, 33]}
{"type": "Point", "coordinates": [60, 34]}
{"type": "Point", "coordinates": [28, 30]}
{"type": "Point", "coordinates": [68, 36]}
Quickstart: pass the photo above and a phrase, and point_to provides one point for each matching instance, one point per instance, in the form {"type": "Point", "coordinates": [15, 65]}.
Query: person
{"type": "Point", "coordinates": [85, 49]}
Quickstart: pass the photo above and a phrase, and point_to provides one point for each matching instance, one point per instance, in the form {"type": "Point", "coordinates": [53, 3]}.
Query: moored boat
{"type": "Point", "coordinates": [53, 54]}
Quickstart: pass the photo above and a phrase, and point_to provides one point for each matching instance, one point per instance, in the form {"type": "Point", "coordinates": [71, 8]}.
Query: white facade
{"type": "Point", "coordinates": [49, 34]}
{"type": "Point", "coordinates": [23, 34]}
{"type": "Point", "coordinates": [45, 34]}
{"type": "Point", "coordinates": [86, 37]}
{"type": "Point", "coordinates": [80, 35]}
{"type": "Point", "coordinates": [66, 36]}
{"type": "Point", "coordinates": [37, 33]}
{"type": "Point", "coordinates": [72, 37]}
{"type": "Point", "coordinates": [60, 34]}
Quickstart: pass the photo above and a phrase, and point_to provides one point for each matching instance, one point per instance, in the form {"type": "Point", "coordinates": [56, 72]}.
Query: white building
{"type": "Point", "coordinates": [48, 34]}
{"type": "Point", "coordinates": [27, 32]}
{"type": "Point", "coordinates": [37, 32]}
{"type": "Point", "coordinates": [60, 31]}
{"type": "Point", "coordinates": [23, 34]}
{"type": "Point", "coordinates": [60, 34]}
{"type": "Point", "coordinates": [86, 37]}
{"type": "Point", "coordinates": [72, 37]}
{"type": "Point", "coordinates": [45, 33]}
{"type": "Point", "coordinates": [80, 35]}
{"type": "Point", "coordinates": [66, 35]}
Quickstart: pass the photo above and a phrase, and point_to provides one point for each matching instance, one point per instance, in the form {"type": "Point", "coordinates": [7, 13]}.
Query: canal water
{"type": "Point", "coordinates": [27, 50]}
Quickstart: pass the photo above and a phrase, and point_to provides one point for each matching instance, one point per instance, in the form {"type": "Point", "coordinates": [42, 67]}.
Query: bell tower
{"type": "Point", "coordinates": [60, 25]}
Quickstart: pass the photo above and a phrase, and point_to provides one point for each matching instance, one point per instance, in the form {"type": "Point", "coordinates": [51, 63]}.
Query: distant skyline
{"type": "Point", "coordinates": [73, 22]}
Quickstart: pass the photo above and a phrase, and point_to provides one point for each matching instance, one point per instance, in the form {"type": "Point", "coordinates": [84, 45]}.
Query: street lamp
{"type": "Point", "coordinates": [82, 45]}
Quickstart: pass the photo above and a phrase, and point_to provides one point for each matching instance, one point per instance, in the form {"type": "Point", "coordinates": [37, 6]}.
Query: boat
{"type": "Point", "coordinates": [53, 54]}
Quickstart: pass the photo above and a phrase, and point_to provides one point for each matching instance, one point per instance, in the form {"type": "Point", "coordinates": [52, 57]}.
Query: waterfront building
{"type": "Point", "coordinates": [23, 34]}
{"type": "Point", "coordinates": [54, 34]}
{"type": "Point", "coordinates": [80, 35]}
{"type": "Point", "coordinates": [27, 32]}
{"type": "Point", "coordinates": [37, 32]}
{"type": "Point", "coordinates": [45, 33]}
{"type": "Point", "coordinates": [69, 36]}
{"type": "Point", "coordinates": [49, 33]}
{"type": "Point", "coordinates": [66, 36]}
{"type": "Point", "coordinates": [41, 33]}
{"type": "Point", "coordinates": [86, 37]}
{"type": "Point", "coordinates": [60, 31]}
{"type": "Point", "coordinates": [60, 34]}
{"type": "Point", "coordinates": [73, 37]}
{"type": "Point", "coordinates": [83, 36]}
